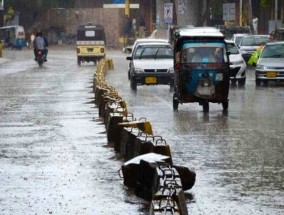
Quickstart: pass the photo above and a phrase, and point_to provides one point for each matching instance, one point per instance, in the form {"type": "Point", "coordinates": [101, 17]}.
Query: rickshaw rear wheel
{"type": "Point", "coordinates": [175, 102]}
{"type": "Point", "coordinates": [205, 106]}
{"type": "Point", "coordinates": [225, 105]}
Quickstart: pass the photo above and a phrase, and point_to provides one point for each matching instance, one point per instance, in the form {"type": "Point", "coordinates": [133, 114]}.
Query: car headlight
{"type": "Point", "coordinates": [260, 67]}
{"type": "Point", "coordinates": [171, 70]}
{"type": "Point", "coordinates": [138, 70]}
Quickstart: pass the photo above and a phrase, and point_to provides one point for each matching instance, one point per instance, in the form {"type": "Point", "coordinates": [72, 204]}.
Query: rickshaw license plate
{"type": "Point", "coordinates": [271, 74]}
{"type": "Point", "coordinates": [150, 80]}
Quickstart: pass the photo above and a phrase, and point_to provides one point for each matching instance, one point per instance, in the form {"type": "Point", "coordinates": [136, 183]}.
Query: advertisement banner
{"type": "Point", "coordinates": [168, 13]}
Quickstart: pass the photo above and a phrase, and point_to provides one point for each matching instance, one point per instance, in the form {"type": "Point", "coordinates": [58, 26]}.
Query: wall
{"type": "Point", "coordinates": [67, 20]}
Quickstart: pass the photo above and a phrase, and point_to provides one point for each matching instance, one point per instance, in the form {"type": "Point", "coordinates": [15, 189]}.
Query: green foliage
{"type": "Point", "coordinates": [265, 3]}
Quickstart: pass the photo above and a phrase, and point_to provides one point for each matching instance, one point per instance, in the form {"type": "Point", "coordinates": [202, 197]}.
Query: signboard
{"type": "Point", "coordinates": [118, 1]}
{"type": "Point", "coordinates": [229, 12]}
{"type": "Point", "coordinates": [168, 13]}
{"type": "Point", "coordinates": [1, 4]}
{"type": "Point", "coordinates": [181, 6]}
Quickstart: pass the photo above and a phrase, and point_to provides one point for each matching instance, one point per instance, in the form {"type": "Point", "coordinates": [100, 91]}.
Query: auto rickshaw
{"type": "Point", "coordinates": [90, 43]}
{"type": "Point", "coordinates": [201, 64]}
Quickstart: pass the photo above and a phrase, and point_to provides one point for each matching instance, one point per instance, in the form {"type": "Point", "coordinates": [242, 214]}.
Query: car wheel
{"type": "Point", "coordinates": [233, 83]}
{"type": "Point", "coordinates": [225, 105]}
{"type": "Point", "coordinates": [175, 102]}
{"type": "Point", "coordinates": [205, 106]}
{"type": "Point", "coordinates": [172, 86]}
{"type": "Point", "coordinates": [133, 84]}
{"type": "Point", "coordinates": [242, 82]}
{"type": "Point", "coordinates": [79, 61]}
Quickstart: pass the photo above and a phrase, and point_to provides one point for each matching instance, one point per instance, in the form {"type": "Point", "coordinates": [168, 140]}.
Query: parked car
{"type": "Point", "coordinates": [151, 64]}
{"type": "Point", "coordinates": [270, 65]}
{"type": "Point", "coordinates": [236, 38]}
{"type": "Point", "coordinates": [139, 41]}
{"type": "Point", "coordinates": [249, 44]}
{"type": "Point", "coordinates": [238, 65]}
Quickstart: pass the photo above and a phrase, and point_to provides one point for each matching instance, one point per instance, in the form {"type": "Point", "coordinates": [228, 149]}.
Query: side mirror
{"type": "Point", "coordinates": [128, 58]}
{"type": "Point", "coordinates": [228, 53]}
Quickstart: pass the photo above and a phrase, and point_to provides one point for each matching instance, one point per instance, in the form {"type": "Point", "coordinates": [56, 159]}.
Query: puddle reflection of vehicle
{"type": "Point", "coordinates": [201, 68]}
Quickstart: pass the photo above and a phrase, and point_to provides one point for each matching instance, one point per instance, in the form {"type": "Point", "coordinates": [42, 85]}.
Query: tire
{"type": "Point", "coordinates": [128, 74]}
{"type": "Point", "coordinates": [233, 83]}
{"type": "Point", "coordinates": [225, 105]}
{"type": "Point", "coordinates": [257, 82]}
{"type": "Point", "coordinates": [172, 86]}
{"type": "Point", "coordinates": [133, 84]}
{"type": "Point", "coordinates": [205, 106]}
{"type": "Point", "coordinates": [242, 82]}
{"type": "Point", "coordinates": [175, 102]}
{"type": "Point", "coordinates": [78, 61]}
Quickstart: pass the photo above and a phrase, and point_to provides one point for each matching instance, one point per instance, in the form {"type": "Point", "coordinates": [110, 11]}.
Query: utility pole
{"type": "Point", "coordinates": [127, 7]}
{"type": "Point", "coordinates": [275, 14]}
{"type": "Point", "coordinates": [241, 13]}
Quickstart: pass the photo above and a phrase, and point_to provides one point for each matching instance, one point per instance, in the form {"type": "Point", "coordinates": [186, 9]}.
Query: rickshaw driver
{"type": "Point", "coordinates": [204, 55]}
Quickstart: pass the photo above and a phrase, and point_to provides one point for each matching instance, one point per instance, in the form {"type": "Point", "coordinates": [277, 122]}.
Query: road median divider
{"type": "Point", "coordinates": [149, 167]}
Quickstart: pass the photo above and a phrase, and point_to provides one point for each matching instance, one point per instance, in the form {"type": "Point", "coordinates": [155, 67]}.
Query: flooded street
{"type": "Point", "coordinates": [55, 159]}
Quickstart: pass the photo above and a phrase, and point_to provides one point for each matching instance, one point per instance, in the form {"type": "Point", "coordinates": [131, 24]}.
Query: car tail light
{"type": "Point", "coordinates": [102, 50]}
{"type": "Point", "coordinates": [78, 50]}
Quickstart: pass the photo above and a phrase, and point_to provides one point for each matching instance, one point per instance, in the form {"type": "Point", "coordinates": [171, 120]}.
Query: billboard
{"type": "Point", "coordinates": [118, 1]}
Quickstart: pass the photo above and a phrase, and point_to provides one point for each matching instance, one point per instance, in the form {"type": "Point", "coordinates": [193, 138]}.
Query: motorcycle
{"type": "Point", "coordinates": [40, 57]}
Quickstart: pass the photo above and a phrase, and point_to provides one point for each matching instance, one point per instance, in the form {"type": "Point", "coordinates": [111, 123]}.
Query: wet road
{"type": "Point", "coordinates": [54, 158]}
{"type": "Point", "coordinates": [53, 153]}
{"type": "Point", "coordinates": [238, 157]}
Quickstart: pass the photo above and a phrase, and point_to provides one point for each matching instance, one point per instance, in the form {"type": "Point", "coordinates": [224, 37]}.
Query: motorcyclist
{"type": "Point", "coordinates": [40, 44]}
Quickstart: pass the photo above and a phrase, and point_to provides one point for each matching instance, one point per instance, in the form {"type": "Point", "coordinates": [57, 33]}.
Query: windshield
{"type": "Point", "coordinates": [203, 53]}
{"type": "Point", "coordinates": [253, 41]}
{"type": "Point", "coordinates": [238, 39]}
{"type": "Point", "coordinates": [153, 52]}
{"type": "Point", "coordinates": [273, 51]}
{"type": "Point", "coordinates": [90, 34]}
{"type": "Point", "coordinates": [232, 48]}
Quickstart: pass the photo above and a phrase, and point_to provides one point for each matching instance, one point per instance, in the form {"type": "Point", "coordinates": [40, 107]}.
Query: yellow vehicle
{"type": "Point", "coordinates": [90, 43]}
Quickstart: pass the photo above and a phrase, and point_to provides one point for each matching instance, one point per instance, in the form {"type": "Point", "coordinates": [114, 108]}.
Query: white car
{"type": "Point", "coordinates": [130, 48]}
{"type": "Point", "coordinates": [250, 43]}
{"type": "Point", "coordinates": [270, 64]}
{"type": "Point", "coordinates": [143, 40]}
{"type": "Point", "coordinates": [236, 38]}
{"type": "Point", "coordinates": [151, 64]}
{"type": "Point", "coordinates": [238, 65]}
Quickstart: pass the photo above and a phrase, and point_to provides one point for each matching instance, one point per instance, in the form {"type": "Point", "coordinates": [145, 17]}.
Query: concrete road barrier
{"type": "Point", "coordinates": [149, 168]}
